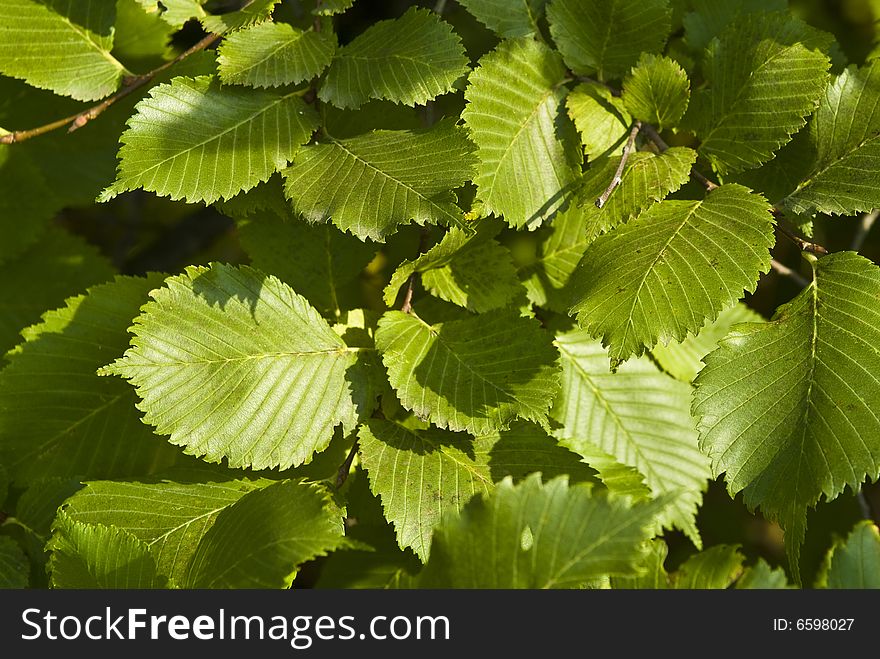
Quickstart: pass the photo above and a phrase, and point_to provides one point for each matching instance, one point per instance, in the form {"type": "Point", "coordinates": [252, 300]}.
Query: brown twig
{"type": "Point", "coordinates": [345, 467]}
{"type": "Point", "coordinates": [805, 245]}
{"type": "Point", "coordinates": [618, 175]}
{"type": "Point", "coordinates": [661, 144]}
{"type": "Point", "coordinates": [80, 119]}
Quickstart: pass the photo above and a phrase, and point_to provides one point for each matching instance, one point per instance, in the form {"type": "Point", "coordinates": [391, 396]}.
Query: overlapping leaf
{"type": "Point", "coordinates": [42, 276]}
{"type": "Point", "coordinates": [319, 262]}
{"type": "Point", "coordinates": [551, 535]}
{"type": "Point", "coordinates": [513, 114]}
{"type": "Point", "coordinates": [193, 140]}
{"type": "Point", "coordinates": [477, 374]}
{"type": "Point", "coordinates": [64, 47]}
{"type": "Point", "coordinates": [469, 269]}
{"type": "Point", "coordinates": [639, 416]}
{"type": "Point", "coordinates": [392, 177]}
{"type": "Point", "coordinates": [855, 562]}
{"type": "Point", "coordinates": [788, 409]}
{"type": "Point", "coordinates": [657, 91]}
{"type": "Point", "coordinates": [606, 37]}
{"type": "Point", "coordinates": [262, 539]}
{"type": "Point", "coordinates": [709, 18]}
{"type": "Point", "coordinates": [600, 117]}
{"type": "Point", "coordinates": [843, 136]}
{"type": "Point", "coordinates": [14, 566]}
{"type": "Point", "coordinates": [678, 264]}
{"type": "Point", "coordinates": [254, 11]}
{"type": "Point", "coordinates": [169, 516]}
{"type": "Point", "coordinates": [765, 74]}
{"type": "Point", "coordinates": [175, 12]}
{"type": "Point", "coordinates": [233, 364]}
{"type": "Point", "coordinates": [274, 54]}
{"type": "Point", "coordinates": [685, 359]}
{"type": "Point", "coordinates": [98, 556]}
{"type": "Point", "coordinates": [410, 60]}
{"type": "Point", "coordinates": [57, 418]}
{"type": "Point", "coordinates": [518, 18]}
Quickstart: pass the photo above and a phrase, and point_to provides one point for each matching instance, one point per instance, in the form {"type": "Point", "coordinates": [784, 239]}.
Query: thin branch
{"type": "Point", "coordinates": [77, 121]}
{"type": "Point", "coordinates": [661, 144]}
{"type": "Point", "coordinates": [618, 175]}
{"type": "Point", "coordinates": [440, 6]}
{"type": "Point", "coordinates": [406, 307]}
{"type": "Point", "coordinates": [864, 505]}
{"type": "Point", "coordinates": [805, 245]}
{"type": "Point", "coordinates": [345, 468]}
{"type": "Point", "coordinates": [865, 223]}
{"type": "Point", "coordinates": [785, 271]}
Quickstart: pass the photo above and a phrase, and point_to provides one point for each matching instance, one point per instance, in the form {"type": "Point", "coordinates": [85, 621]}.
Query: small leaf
{"type": "Point", "coordinates": [193, 140]}
{"type": "Point", "coordinates": [657, 91]}
{"type": "Point", "coordinates": [393, 177]}
{"type": "Point", "coordinates": [854, 562]}
{"type": "Point", "coordinates": [175, 12]}
{"type": "Point", "coordinates": [600, 117]}
{"type": "Point", "coordinates": [507, 18]}
{"type": "Point", "coordinates": [513, 108]}
{"type": "Point", "coordinates": [97, 556]}
{"type": "Point", "coordinates": [476, 374]}
{"type": "Point", "coordinates": [607, 36]}
{"type": "Point", "coordinates": [233, 364]}
{"type": "Point", "coordinates": [714, 569]}
{"type": "Point", "coordinates": [251, 12]}
{"type": "Point", "coordinates": [576, 535]}
{"type": "Point", "coordinates": [761, 576]}
{"type": "Point", "coordinates": [274, 54]}
{"type": "Point", "coordinates": [61, 46]}
{"type": "Point", "coordinates": [846, 150]}
{"type": "Point", "coordinates": [409, 60]}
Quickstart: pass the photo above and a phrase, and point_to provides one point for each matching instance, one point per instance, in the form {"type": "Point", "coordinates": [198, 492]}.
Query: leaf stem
{"type": "Point", "coordinates": [80, 119]}
{"type": "Point", "coordinates": [345, 467]}
{"type": "Point", "coordinates": [618, 175]}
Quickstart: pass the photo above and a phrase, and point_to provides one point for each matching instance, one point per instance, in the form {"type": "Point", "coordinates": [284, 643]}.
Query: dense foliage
{"type": "Point", "coordinates": [496, 293]}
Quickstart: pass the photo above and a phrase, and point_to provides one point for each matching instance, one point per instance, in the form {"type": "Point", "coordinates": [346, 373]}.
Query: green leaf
{"type": "Point", "coordinates": [175, 12]}
{"type": "Point", "coordinates": [97, 556]}
{"type": "Point", "coordinates": [420, 476]}
{"type": "Point", "coordinates": [319, 262]}
{"type": "Point", "coordinates": [233, 364]}
{"type": "Point", "coordinates": [193, 140]}
{"type": "Point", "coordinates": [709, 18]}
{"type": "Point", "coordinates": [513, 108]}
{"type": "Point", "coordinates": [788, 408]}
{"type": "Point", "coordinates": [600, 117]}
{"type": "Point", "coordinates": [250, 13]}
{"type": "Point", "coordinates": [261, 540]}
{"type": "Point", "coordinates": [517, 18]}
{"type": "Point", "coordinates": [171, 517]}
{"type": "Point", "coordinates": [640, 417]}
{"type": "Point", "coordinates": [14, 566]}
{"type": "Point", "coordinates": [142, 40]}
{"type": "Point", "coordinates": [714, 569]}
{"type": "Point", "coordinates": [761, 576]}
{"type": "Point", "coordinates": [476, 374]}
{"type": "Point", "coordinates": [57, 418]}
{"type": "Point", "coordinates": [765, 74]}
{"type": "Point", "coordinates": [657, 91]}
{"type": "Point", "coordinates": [40, 278]}
{"type": "Point", "coordinates": [606, 36]}
{"type": "Point", "coordinates": [469, 269]}
{"type": "Point", "coordinates": [409, 60]}
{"type": "Point", "coordinates": [844, 137]}
{"type": "Point", "coordinates": [27, 202]}
{"type": "Point", "coordinates": [273, 55]}
{"type": "Point", "coordinates": [855, 562]}
{"type": "Point", "coordinates": [685, 359]}
{"type": "Point", "coordinates": [392, 177]}
{"type": "Point", "coordinates": [61, 46]}
{"type": "Point", "coordinates": [548, 535]}
{"type": "Point", "coordinates": [665, 273]}
{"type": "Point", "coordinates": [331, 7]}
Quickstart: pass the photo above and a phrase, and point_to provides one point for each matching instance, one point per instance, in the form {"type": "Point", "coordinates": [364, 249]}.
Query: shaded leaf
{"type": "Point", "coordinates": [854, 562]}
{"type": "Point", "coordinates": [507, 19]}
